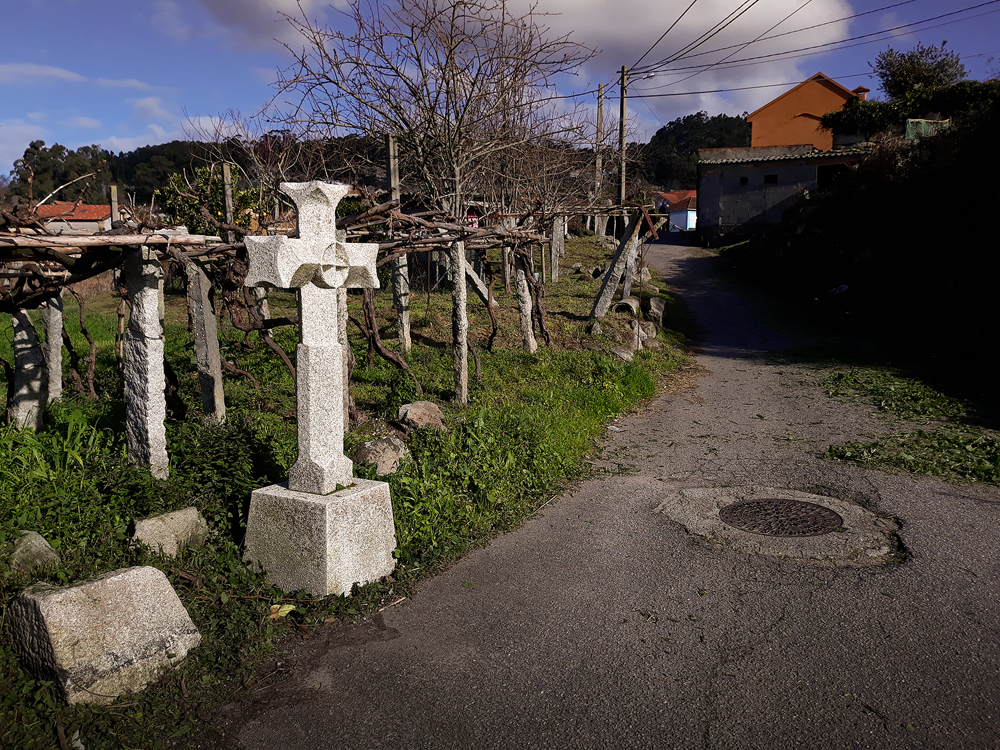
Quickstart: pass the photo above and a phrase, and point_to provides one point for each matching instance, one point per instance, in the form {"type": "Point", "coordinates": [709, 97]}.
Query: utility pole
{"type": "Point", "coordinates": [621, 140]}
{"type": "Point", "coordinates": [599, 143]}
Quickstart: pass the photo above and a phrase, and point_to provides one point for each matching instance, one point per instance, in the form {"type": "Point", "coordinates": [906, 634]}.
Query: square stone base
{"type": "Point", "coordinates": [322, 544]}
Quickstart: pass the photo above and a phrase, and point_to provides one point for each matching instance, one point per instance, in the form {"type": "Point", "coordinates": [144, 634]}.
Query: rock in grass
{"type": "Point", "coordinates": [654, 308]}
{"type": "Point", "coordinates": [102, 638]}
{"type": "Point", "coordinates": [168, 533]}
{"type": "Point", "coordinates": [626, 355]}
{"type": "Point", "coordinates": [31, 550]}
{"type": "Point", "coordinates": [387, 455]}
{"type": "Point", "coordinates": [421, 414]}
{"type": "Point", "coordinates": [628, 305]}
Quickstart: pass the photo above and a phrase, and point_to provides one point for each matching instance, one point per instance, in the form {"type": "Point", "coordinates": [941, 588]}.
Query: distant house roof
{"type": "Point", "coordinates": [760, 154]}
{"type": "Point", "coordinates": [677, 195]}
{"type": "Point", "coordinates": [70, 211]}
{"type": "Point", "coordinates": [687, 204]}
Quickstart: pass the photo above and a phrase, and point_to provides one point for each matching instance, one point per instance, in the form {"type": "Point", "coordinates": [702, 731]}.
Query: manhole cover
{"type": "Point", "coordinates": [777, 517]}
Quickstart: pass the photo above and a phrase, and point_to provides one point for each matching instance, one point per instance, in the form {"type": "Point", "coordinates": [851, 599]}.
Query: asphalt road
{"type": "Point", "coordinates": [601, 623]}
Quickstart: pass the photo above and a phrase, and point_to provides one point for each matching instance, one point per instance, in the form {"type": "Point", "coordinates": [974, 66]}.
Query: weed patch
{"type": "Point", "coordinates": [948, 448]}
{"type": "Point", "coordinates": [904, 397]}
{"type": "Point", "coordinates": [954, 453]}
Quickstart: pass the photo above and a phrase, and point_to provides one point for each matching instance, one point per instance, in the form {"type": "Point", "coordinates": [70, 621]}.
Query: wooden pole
{"type": "Point", "coordinates": [621, 139]}
{"type": "Point", "coordinates": [599, 143]}
{"type": "Point", "coordinates": [227, 184]}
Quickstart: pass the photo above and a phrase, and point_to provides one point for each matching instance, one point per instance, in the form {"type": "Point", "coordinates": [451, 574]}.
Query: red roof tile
{"type": "Point", "coordinates": [687, 204]}
{"type": "Point", "coordinates": [677, 195]}
{"type": "Point", "coordinates": [70, 211]}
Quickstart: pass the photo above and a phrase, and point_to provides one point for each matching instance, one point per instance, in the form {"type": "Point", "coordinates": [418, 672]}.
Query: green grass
{"type": "Point", "coordinates": [524, 433]}
{"type": "Point", "coordinates": [889, 392]}
{"type": "Point", "coordinates": [949, 447]}
{"type": "Point", "coordinates": [956, 453]}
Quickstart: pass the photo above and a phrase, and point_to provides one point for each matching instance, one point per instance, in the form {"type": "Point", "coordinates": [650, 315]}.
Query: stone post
{"type": "Point", "coordinates": [459, 324]}
{"type": "Point", "coordinates": [323, 531]}
{"type": "Point", "coordinates": [30, 378]}
{"type": "Point", "coordinates": [400, 267]}
{"type": "Point", "coordinates": [344, 344]}
{"type": "Point", "coordinates": [505, 265]}
{"type": "Point", "coordinates": [52, 315]}
{"type": "Point", "coordinates": [206, 343]}
{"type": "Point", "coordinates": [557, 245]}
{"type": "Point", "coordinates": [262, 308]}
{"type": "Point", "coordinates": [145, 382]}
{"type": "Point", "coordinates": [524, 304]}
{"type": "Point", "coordinates": [616, 268]}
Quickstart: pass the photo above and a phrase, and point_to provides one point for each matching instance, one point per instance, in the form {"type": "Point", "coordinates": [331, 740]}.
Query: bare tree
{"type": "Point", "coordinates": [454, 80]}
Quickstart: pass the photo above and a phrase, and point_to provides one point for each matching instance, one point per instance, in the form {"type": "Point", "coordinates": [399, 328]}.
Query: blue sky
{"type": "Point", "coordinates": [124, 73]}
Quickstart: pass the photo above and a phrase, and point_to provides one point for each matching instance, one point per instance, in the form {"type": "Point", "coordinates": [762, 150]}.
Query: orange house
{"type": "Point", "coordinates": [793, 118]}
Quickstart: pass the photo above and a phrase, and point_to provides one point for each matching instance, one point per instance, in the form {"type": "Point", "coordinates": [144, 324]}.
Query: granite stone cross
{"type": "Point", "coordinates": [317, 263]}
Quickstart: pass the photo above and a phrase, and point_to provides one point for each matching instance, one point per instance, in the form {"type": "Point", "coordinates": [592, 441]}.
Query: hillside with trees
{"type": "Point", "coordinates": [671, 158]}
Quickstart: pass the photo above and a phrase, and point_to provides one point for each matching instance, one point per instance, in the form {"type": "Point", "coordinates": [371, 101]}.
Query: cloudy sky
{"type": "Point", "coordinates": [124, 74]}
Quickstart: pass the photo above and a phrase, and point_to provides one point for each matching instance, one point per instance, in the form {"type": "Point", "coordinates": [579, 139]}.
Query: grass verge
{"type": "Point", "coordinates": [524, 433]}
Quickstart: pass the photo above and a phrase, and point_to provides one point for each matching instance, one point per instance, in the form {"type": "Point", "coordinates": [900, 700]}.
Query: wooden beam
{"type": "Point", "coordinates": [108, 240]}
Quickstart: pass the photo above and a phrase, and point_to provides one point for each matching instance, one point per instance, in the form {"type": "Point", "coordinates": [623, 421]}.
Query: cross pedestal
{"type": "Point", "coordinates": [323, 531]}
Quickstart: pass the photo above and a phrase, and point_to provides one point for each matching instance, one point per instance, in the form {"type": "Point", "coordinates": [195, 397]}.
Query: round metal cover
{"type": "Point", "coordinates": [778, 517]}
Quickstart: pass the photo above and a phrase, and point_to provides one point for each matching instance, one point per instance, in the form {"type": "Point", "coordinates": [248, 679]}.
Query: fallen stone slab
{"type": "Point", "coordinates": [852, 536]}
{"type": "Point", "coordinates": [387, 455]}
{"type": "Point", "coordinates": [102, 638]}
{"type": "Point", "coordinates": [421, 414]}
{"type": "Point", "coordinates": [169, 533]}
{"type": "Point", "coordinates": [32, 550]}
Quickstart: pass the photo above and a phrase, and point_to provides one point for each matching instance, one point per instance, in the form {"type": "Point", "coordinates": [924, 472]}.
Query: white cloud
{"type": "Point", "coordinates": [266, 76]}
{"type": "Point", "coordinates": [151, 108]}
{"type": "Point", "coordinates": [169, 17]}
{"type": "Point", "coordinates": [125, 83]}
{"type": "Point", "coordinates": [15, 135]}
{"type": "Point", "coordinates": [84, 122]}
{"type": "Point", "coordinates": [33, 73]}
{"type": "Point", "coordinates": [257, 23]}
{"type": "Point", "coordinates": [602, 25]}
{"type": "Point", "coordinates": [153, 135]}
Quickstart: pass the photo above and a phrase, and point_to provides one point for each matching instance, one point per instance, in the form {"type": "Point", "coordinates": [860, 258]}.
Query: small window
{"type": "Point", "coordinates": [770, 179]}
{"type": "Point", "coordinates": [744, 180]}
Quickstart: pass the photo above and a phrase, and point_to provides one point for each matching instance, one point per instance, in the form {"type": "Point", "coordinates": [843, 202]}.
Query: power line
{"type": "Point", "coordinates": [739, 88]}
{"type": "Point", "coordinates": [665, 33]}
{"type": "Point", "coordinates": [737, 64]}
{"type": "Point", "coordinates": [705, 70]}
{"type": "Point", "coordinates": [793, 31]}
{"type": "Point", "coordinates": [719, 27]}
{"type": "Point", "coordinates": [890, 32]}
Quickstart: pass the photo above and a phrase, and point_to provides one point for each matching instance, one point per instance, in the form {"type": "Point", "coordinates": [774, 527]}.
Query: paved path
{"type": "Point", "coordinates": [600, 623]}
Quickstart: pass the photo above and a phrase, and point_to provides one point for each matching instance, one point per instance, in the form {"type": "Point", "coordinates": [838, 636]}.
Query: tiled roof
{"type": "Point", "coordinates": [687, 204]}
{"type": "Point", "coordinates": [815, 154]}
{"type": "Point", "coordinates": [677, 195]}
{"type": "Point", "coordinates": [69, 211]}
